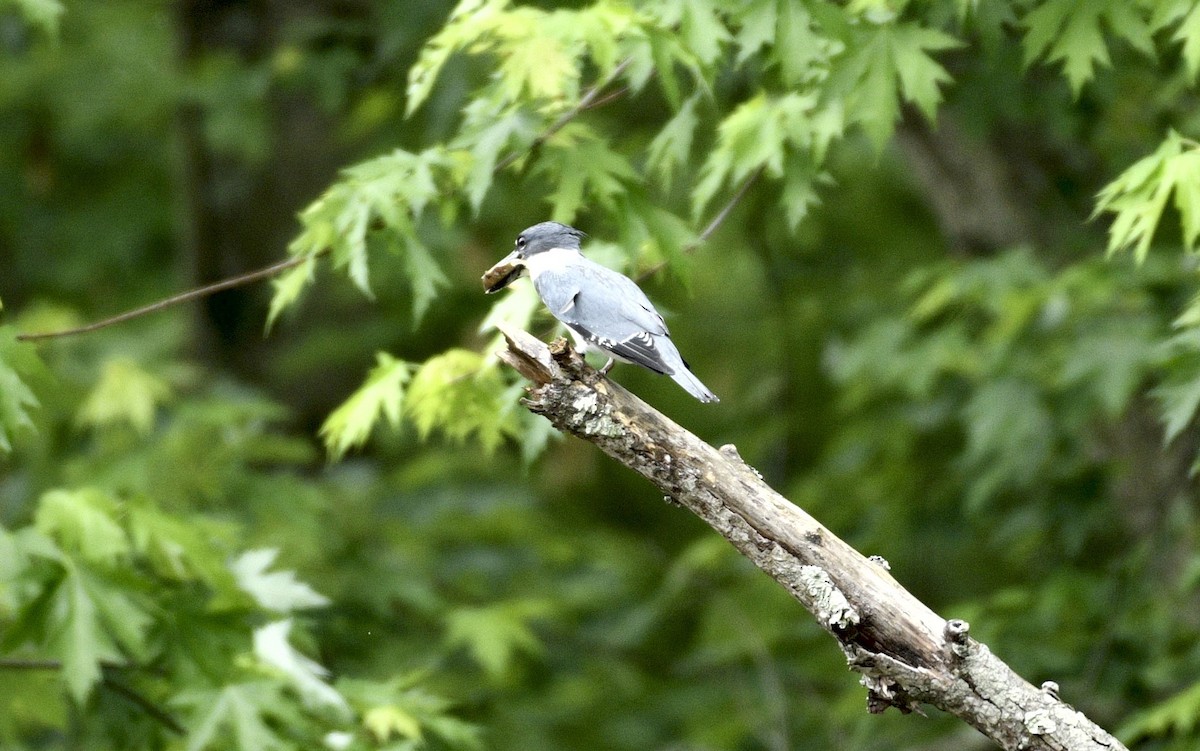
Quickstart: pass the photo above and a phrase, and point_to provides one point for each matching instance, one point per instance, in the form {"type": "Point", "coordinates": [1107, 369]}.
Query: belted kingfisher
{"type": "Point", "coordinates": [603, 309]}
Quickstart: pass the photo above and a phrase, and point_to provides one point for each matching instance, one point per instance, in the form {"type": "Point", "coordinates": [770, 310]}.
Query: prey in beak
{"type": "Point", "coordinates": [504, 273]}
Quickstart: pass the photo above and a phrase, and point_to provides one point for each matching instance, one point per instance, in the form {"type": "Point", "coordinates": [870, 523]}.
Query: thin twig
{"type": "Point", "coordinates": [723, 214]}
{"type": "Point", "coordinates": [702, 238]}
{"type": "Point", "coordinates": [713, 225]}
{"type": "Point", "coordinates": [17, 663]}
{"type": "Point", "coordinates": [587, 101]}
{"type": "Point", "coordinates": [607, 98]}
{"type": "Point", "coordinates": [39, 664]}
{"type": "Point", "coordinates": [182, 297]}
{"type": "Point", "coordinates": [147, 706]}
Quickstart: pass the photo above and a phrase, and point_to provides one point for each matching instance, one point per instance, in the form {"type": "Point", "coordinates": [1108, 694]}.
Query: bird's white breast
{"type": "Point", "coordinates": [555, 259]}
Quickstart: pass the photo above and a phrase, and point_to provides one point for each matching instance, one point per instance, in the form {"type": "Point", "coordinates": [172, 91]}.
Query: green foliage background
{"type": "Point", "coordinates": [952, 310]}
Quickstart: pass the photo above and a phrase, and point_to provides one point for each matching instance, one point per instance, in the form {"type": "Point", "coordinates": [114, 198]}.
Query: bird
{"type": "Point", "coordinates": [603, 309]}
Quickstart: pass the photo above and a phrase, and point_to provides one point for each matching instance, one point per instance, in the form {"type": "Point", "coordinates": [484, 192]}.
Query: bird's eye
{"type": "Point", "coordinates": [521, 242]}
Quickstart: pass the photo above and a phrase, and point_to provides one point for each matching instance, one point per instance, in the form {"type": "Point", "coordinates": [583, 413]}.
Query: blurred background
{"type": "Point", "coordinates": [940, 364]}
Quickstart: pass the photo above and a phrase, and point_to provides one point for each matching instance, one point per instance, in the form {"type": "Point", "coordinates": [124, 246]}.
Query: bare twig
{"type": "Point", "coordinates": [182, 297]}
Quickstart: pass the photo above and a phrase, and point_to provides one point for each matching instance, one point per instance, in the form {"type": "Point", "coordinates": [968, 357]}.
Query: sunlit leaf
{"type": "Point", "coordinates": [84, 521]}
{"type": "Point", "coordinates": [124, 393]}
{"type": "Point", "coordinates": [453, 392]}
{"type": "Point", "coordinates": [1139, 195]}
{"type": "Point", "coordinates": [395, 709]}
{"type": "Point", "coordinates": [381, 396]}
{"type": "Point", "coordinates": [272, 647]}
{"type": "Point", "coordinates": [277, 590]}
{"type": "Point", "coordinates": [288, 287]}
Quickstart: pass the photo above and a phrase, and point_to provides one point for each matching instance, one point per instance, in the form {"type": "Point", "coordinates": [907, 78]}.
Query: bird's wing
{"type": "Point", "coordinates": [609, 311]}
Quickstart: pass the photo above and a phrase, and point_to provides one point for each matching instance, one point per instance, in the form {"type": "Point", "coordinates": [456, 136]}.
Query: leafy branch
{"type": "Point", "coordinates": [153, 710]}
{"type": "Point", "coordinates": [590, 100]}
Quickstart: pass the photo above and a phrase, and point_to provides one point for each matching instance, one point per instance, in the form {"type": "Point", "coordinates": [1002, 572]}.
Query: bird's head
{"type": "Point", "coordinates": [539, 238]}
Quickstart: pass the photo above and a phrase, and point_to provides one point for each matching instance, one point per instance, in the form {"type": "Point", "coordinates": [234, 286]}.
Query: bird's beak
{"type": "Point", "coordinates": [504, 273]}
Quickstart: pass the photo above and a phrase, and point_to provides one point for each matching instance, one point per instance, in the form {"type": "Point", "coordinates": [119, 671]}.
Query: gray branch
{"type": "Point", "coordinates": [906, 654]}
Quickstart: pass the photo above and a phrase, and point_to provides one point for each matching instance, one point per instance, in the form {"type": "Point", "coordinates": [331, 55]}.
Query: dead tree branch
{"type": "Point", "coordinates": [906, 654]}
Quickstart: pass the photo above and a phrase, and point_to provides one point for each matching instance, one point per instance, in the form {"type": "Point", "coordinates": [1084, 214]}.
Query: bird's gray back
{"type": "Point", "coordinates": [604, 301]}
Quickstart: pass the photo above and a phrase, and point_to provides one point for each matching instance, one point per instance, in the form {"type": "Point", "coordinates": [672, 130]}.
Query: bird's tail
{"type": "Point", "coordinates": [693, 386]}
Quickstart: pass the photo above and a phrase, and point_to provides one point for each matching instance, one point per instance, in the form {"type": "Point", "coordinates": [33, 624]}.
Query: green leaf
{"type": "Point", "coordinates": [279, 590]}
{"type": "Point", "coordinates": [703, 30]}
{"type": "Point", "coordinates": [288, 287]}
{"type": "Point", "coordinates": [271, 646]}
{"type": "Point", "coordinates": [487, 132]}
{"type": "Point", "coordinates": [537, 53]}
{"type": "Point", "coordinates": [84, 521]}
{"type": "Point", "coordinates": [1189, 34]}
{"type": "Point", "coordinates": [748, 138]}
{"type": "Point", "coordinates": [43, 14]}
{"type": "Point", "coordinates": [382, 394]}
{"type": "Point", "coordinates": [124, 393]}
{"type": "Point", "coordinates": [1072, 32]}
{"type": "Point", "coordinates": [80, 641]}
{"type": "Point", "coordinates": [1178, 716]}
{"type": "Point", "coordinates": [455, 393]}
{"type": "Point", "coordinates": [469, 20]}
{"type": "Point", "coordinates": [889, 64]}
{"type": "Point", "coordinates": [179, 548]}
{"type": "Point", "coordinates": [800, 190]}
{"type": "Point", "coordinates": [495, 635]}
{"type": "Point", "coordinates": [1009, 434]}
{"type": "Point", "coordinates": [757, 30]}
{"type": "Point", "coordinates": [424, 275]}
{"type": "Point", "coordinates": [802, 52]}
{"type": "Point", "coordinates": [16, 398]}
{"type": "Point", "coordinates": [760, 134]}
{"type": "Point", "coordinates": [581, 166]}
{"type": "Point", "coordinates": [1178, 403]}
{"type": "Point", "coordinates": [241, 709]}
{"type": "Point", "coordinates": [673, 144]}
{"type": "Point", "coordinates": [88, 620]}
{"type": "Point", "coordinates": [126, 622]}
{"type": "Point", "coordinates": [387, 721]}
{"type": "Point", "coordinates": [394, 188]}
{"type": "Point", "coordinates": [393, 708]}
{"type": "Point", "coordinates": [1139, 194]}
{"type": "Point", "coordinates": [515, 308]}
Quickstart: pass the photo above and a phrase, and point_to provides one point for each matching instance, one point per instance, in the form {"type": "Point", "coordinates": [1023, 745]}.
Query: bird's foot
{"type": "Point", "coordinates": [607, 366]}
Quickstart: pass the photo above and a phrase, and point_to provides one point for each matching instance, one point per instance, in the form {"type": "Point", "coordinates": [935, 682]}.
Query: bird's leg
{"type": "Point", "coordinates": [607, 366]}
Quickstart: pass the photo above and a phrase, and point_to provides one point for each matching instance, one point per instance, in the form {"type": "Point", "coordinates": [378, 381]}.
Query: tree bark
{"type": "Point", "coordinates": [906, 654]}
